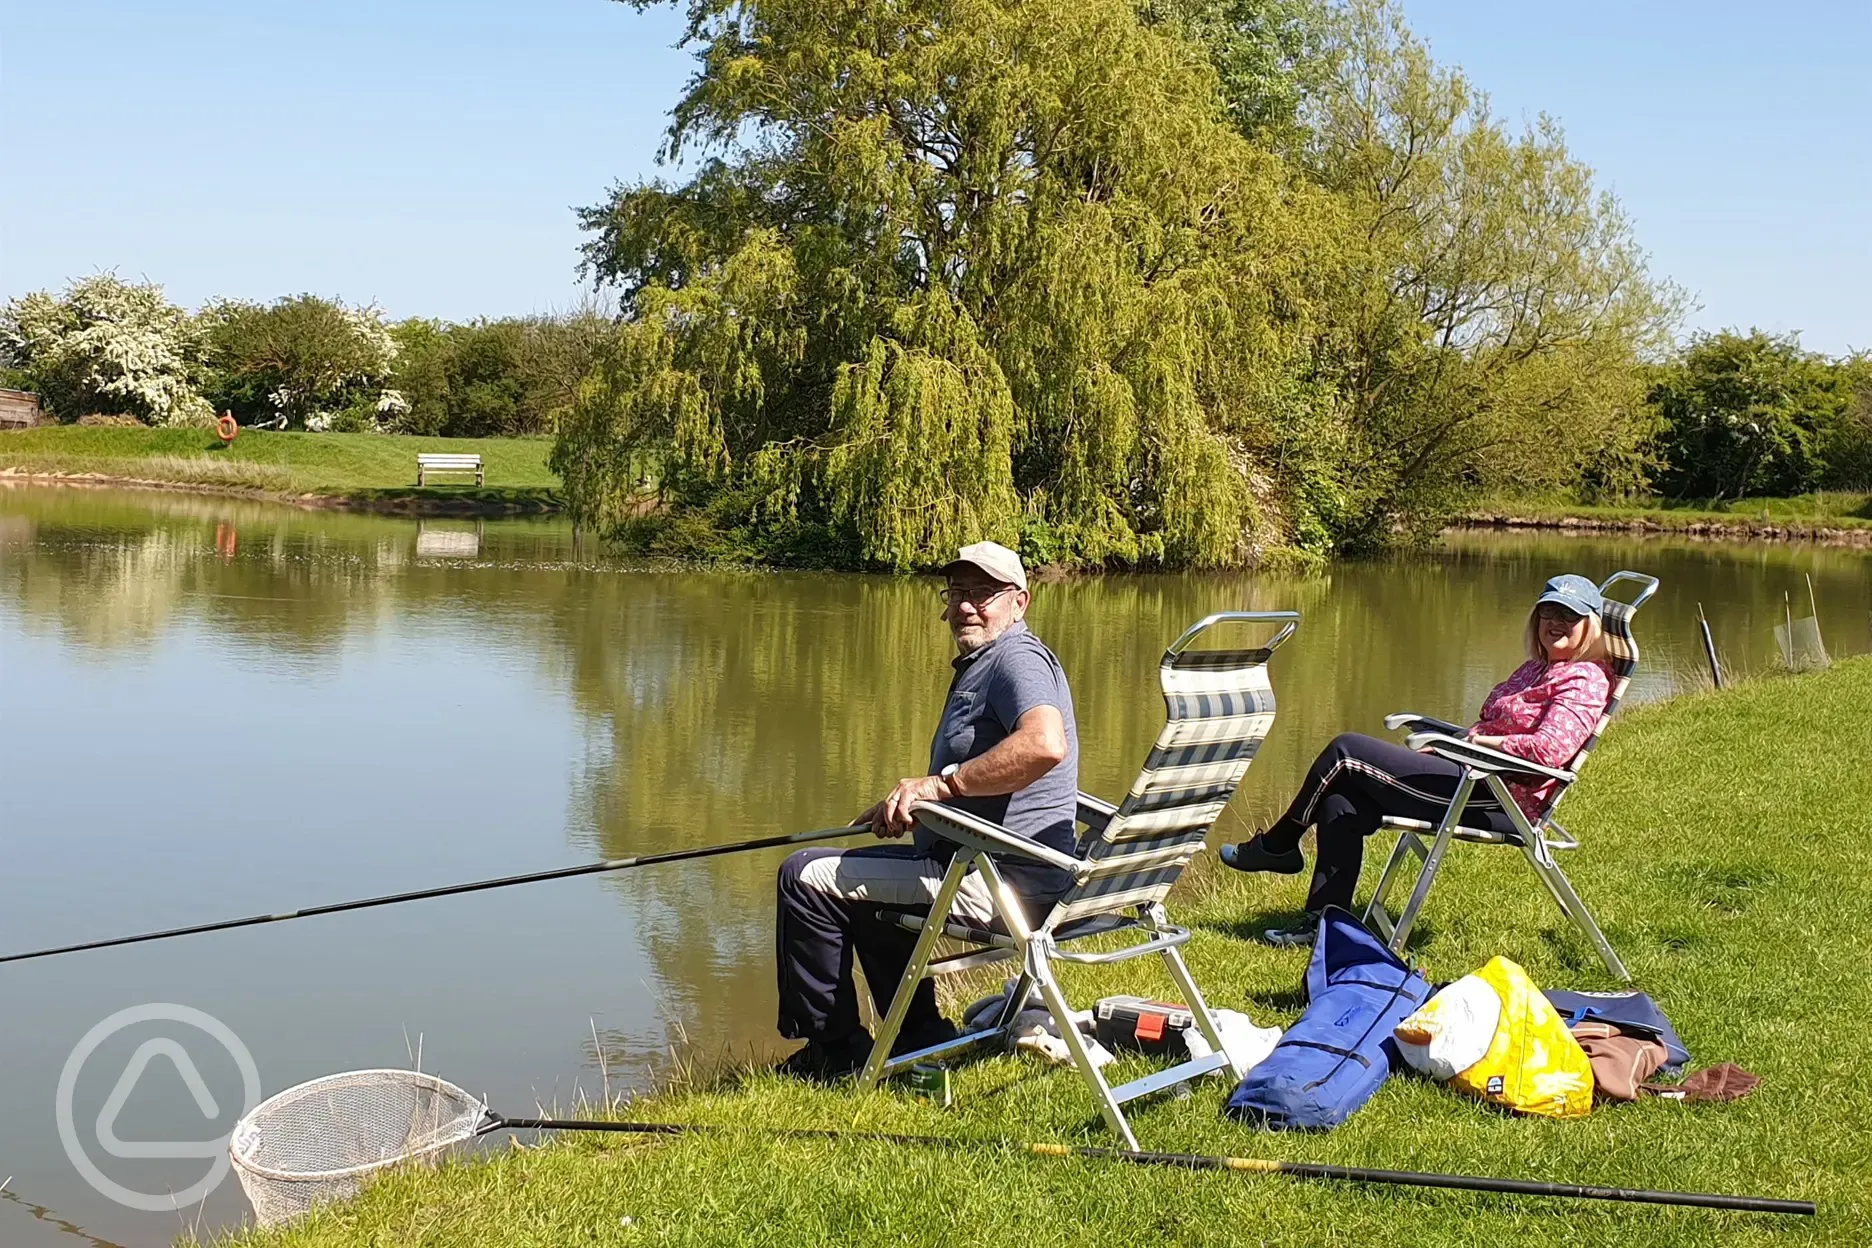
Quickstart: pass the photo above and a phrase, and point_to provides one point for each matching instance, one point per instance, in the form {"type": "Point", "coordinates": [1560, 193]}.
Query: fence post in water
{"type": "Point", "coordinates": [1787, 651]}
{"type": "Point", "coordinates": [1709, 647]}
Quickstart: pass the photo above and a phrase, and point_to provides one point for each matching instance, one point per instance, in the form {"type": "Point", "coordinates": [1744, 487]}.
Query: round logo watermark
{"type": "Point", "coordinates": [167, 1047]}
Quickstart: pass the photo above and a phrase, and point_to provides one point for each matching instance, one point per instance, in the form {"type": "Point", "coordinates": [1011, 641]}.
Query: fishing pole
{"type": "Point", "coordinates": [450, 890]}
{"type": "Point", "coordinates": [1202, 1161]}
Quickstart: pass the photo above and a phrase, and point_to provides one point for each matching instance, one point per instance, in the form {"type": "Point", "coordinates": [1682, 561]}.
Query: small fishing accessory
{"type": "Point", "coordinates": [1141, 1025]}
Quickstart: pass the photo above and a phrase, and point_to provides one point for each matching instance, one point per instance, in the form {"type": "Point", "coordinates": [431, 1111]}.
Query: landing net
{"type": "Point", "coordinates": [319, 1141]}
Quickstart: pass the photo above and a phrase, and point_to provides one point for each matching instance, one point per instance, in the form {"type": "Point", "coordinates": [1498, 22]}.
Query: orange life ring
{"type": "Point", "coordinates": [226, 427]}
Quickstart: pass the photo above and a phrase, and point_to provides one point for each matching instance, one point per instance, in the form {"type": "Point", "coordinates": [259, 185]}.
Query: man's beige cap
{"type": "Point", "coordinates": [994, 559]}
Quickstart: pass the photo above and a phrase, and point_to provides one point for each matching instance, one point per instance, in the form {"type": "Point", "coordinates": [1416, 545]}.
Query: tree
{"type": "Point", "coordinates": [106, 345]}
{"type": "Point", "coordinates": [1755, 414]}
{"type": "Point", "coordinates": [494, 378]}
{"type": "Point", "coordinates": [1269, 57]}
{"type": "Point", "coordinates": [1497, 314]}
{"type": "Point", "coordinates": [953, 269]}
{"type": "Point", "coordinates": [299, 359]}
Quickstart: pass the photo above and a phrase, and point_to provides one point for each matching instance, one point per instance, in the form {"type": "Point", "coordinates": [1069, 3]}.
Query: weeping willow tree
{"type": "Point", "coordinates": [951, 269]}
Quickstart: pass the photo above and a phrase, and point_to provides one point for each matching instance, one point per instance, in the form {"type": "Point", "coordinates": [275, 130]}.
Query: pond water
{"type": "Point", "coordinates": [214, 708]}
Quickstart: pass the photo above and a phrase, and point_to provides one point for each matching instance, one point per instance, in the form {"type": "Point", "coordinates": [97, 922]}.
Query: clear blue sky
{"type": "Point", "coordinates": [428, 155]}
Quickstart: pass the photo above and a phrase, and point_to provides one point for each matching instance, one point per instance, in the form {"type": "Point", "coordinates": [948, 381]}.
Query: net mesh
{"type": "Point", "coordinates": [320, 1141]}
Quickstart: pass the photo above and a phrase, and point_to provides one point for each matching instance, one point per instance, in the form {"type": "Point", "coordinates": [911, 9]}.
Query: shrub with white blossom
{"type": "Point", "coordinates": [107, 346]}
{"type": "Point", "coordinates": [302, 359]}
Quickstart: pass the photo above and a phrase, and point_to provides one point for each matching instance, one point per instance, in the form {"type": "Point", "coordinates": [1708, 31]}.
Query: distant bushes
{"type": "Point", "coordinates": [493, 378]}
{"type": "Point", "coordinates": [1750, 415]}
{"type": "Point", "coordinates": [109, 347]}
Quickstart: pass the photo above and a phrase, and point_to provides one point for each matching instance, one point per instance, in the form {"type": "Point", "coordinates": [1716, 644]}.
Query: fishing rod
{"type": "Point", "coordinates": [1202, 1161]}
{"type": "Point", "coordinates": [450, 890]}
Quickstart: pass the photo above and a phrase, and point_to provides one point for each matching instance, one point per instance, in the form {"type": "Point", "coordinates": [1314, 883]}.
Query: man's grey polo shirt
{"type": "Point", "coordinates": [993, 687]}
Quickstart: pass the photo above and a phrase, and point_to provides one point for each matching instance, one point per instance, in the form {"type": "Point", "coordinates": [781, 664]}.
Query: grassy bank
{"type": "Point", "coordinates": [361, 469]}
{"type": "Point", "coordinates": [1822, 515]}
{"type": "Point", "coordinates": [1724, 837]}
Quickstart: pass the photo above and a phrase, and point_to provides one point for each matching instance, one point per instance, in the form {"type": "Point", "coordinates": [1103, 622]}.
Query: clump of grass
{"type": "Point", "coordinates": [217, 470]}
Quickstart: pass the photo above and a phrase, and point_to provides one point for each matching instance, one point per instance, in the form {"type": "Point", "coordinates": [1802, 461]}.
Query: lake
{"type": "Point", "coordinates": [215, 708]}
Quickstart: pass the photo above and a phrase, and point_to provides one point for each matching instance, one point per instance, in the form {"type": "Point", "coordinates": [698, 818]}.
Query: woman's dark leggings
{"type": "Point", "coordinates": [1354, 783]}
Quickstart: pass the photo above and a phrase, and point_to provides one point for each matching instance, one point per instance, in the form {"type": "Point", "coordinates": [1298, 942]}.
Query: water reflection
{"type": "Point", "coordinates": [326, 705]}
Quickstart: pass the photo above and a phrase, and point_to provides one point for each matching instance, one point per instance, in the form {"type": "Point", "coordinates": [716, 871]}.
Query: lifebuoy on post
{"type": "Point", "coordinates": [226, 427]}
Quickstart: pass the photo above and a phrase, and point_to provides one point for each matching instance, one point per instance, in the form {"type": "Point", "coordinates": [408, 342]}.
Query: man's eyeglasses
{"type": "Point", "coordinates": [979, 595]}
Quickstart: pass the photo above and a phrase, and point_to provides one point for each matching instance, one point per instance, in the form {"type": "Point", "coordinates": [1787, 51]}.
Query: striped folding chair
{"type": "Point", "coordinates": [1536, 838]}
{"type": "Point", "coordinates": [1219, 708]}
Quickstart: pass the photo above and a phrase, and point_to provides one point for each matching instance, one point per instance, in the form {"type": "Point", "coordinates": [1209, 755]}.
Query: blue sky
{"type": "Point", "coordinates": [428, 155]}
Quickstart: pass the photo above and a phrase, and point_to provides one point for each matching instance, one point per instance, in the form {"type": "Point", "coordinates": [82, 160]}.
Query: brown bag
{"type": "Point", "coordinates": [1620, 1062]}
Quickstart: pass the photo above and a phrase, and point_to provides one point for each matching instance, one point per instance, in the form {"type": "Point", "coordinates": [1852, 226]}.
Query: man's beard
{"type": "Point", "coordinates": [987, 634]}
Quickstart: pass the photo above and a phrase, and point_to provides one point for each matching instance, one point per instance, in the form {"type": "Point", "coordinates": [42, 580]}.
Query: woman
{"type": "Point", "coordinates": [1543, 712]}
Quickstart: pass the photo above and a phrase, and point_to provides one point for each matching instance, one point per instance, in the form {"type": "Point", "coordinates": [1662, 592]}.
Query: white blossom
{"type": "Point", "coordinates": [107, 344]}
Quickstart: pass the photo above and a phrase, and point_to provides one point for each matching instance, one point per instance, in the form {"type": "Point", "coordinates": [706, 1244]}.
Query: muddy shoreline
{"type": "Point", "coordinates": [395, 505]}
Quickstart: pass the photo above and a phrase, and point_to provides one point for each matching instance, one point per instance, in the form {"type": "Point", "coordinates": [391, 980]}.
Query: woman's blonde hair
{"type": "Point", "coordinates": [1592, 649]}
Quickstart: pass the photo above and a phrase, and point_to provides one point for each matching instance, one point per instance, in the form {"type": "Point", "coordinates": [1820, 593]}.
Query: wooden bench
{"type": "Point", "coordinates": [449, 462]}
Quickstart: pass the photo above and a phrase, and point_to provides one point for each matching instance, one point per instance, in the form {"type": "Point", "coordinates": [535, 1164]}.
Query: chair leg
{"type": "Point", "coordinates": [1375, 916]}
{"type": "Point", "coordinates": [1574, 909]}
{"type": "Point", "coordinates": [1042, 973]}
{"type": "Point", "coordinates": [1199, 1006]}
{"type": "Point", "coordinates": [1433, 862]}
{"type": "Point", "coordinates": [913, 973]}
{"type": "Point", "coordinates": [1035, 965]}
{"type": "Point", "coordinates": [1016, 1002]}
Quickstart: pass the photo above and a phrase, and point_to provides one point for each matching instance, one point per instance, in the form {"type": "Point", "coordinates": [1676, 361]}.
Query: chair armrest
{"type": "Point", "coordinates": [1481, 757]}
{"type": "Point", "coordinates": [1422, 723]}
{"type": "Point", "coordinates": [1095, 812]}
{"type": "Point", "coordinates": [961, 828]}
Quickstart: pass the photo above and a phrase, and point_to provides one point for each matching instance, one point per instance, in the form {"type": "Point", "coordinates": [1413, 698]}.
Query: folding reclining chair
{"type": "Point", "coordinates": [1219, 709]}
{"type": "Point", "coordinates": [1536, 838]}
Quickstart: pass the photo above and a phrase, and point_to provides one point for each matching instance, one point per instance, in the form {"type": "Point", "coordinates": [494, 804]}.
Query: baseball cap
{"type": "Point", "coordinates": [994, 559]}
{"type": "Point", "coordinates": [1575, 593]}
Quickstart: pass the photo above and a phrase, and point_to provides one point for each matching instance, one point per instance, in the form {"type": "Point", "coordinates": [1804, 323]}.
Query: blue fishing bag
{"type": "Point", "coordinates": [1331, 1061]}
{"type": "Point", "coordinates": [1631, 1011]}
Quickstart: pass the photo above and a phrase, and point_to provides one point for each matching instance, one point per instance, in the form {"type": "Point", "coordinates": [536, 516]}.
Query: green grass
{"type": "Point", "coordinates": [1726, 851]}
{"type": "Point", "coordinates": [365, 468]}
{"type": "Point", "coordinates": [1797, 515]}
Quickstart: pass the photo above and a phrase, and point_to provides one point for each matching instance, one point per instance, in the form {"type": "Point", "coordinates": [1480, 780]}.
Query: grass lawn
{"type": "Point", "coordinates": [1823, 510]}
{"type": "Point", "coordinates": [1726, 851]}
{"type": "Point", "coordinates": [364, 467]}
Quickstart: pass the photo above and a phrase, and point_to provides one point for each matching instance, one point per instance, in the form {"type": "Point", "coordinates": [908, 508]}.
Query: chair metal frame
{"type": "Point", "coordinates": [1536, 838]}
{"type": "Point", "coordinates": [1103, 860]}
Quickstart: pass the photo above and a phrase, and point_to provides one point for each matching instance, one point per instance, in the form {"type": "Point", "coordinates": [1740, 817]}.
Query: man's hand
{"type": "Point", "coordinates": [892, 818]}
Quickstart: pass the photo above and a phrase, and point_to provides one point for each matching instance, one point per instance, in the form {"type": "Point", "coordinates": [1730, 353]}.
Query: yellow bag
{"type": "Point", "coordinates": [1532, 1063]}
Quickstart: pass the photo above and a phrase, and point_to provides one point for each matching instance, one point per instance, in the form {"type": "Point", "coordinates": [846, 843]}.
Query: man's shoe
{"type": "Point", "coordinates": [822, 1061]}
{"type": "Point", "coordinates": [1254, 855]}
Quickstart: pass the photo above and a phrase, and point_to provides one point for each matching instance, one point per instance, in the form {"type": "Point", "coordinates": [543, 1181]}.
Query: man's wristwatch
{"type": "Point", "coordinates": [948, 776]}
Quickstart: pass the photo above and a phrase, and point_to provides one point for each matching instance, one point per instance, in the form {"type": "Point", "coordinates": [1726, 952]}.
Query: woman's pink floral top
{"type": "Point", "coordinates": [1544, 712]}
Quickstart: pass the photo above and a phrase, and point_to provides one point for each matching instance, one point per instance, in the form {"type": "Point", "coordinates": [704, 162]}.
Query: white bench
{"type": "Point", "coordinates": [426, 464]}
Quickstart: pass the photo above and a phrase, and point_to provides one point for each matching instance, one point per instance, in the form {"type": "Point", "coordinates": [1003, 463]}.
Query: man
{"type": "Point", "coordinates": [1006, 750]}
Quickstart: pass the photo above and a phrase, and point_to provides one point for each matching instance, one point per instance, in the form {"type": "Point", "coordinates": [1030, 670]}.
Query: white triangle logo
{"type": "Point", "coordinates": [114, 1103]}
